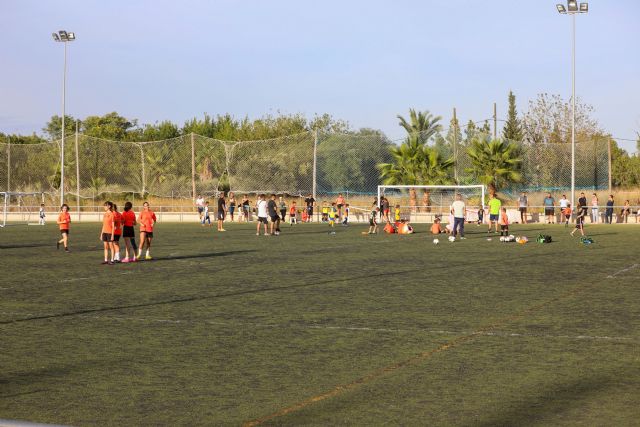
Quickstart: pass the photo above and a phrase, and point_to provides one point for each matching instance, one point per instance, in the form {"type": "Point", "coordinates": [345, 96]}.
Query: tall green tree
{"type": "Point", "coordinates": [415, 163]}
{"type": "Point", "coordinates": [512, 130]}
{"type": "Point", "coordinates": [495, 163]}
{"type": "Point", "coordinates": [53, 128]}
{"type": "Point", "coordinates": [422, 123]}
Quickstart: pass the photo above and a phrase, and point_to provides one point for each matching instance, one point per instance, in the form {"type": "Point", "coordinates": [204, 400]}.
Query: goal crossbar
{"type": "Point", "coordinates": [434, 187]}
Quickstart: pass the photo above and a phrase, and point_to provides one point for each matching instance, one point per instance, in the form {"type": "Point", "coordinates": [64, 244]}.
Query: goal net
{"type": "Point", "coordinates": [422, 203]}
{"type": "Point", "coordinates": [20, 208]}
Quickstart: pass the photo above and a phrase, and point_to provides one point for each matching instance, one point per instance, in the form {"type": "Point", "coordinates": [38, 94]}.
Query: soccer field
{"type": "Point", "coordinates": [310, 328]}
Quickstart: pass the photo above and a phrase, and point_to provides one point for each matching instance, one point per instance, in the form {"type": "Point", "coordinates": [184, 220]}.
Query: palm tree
{"type": "Point", "coordinates": [494, 163]}
{"type": "Point", "coordinates": [422, 123]}
{"type": "Point", "coordinates": [414, 163]}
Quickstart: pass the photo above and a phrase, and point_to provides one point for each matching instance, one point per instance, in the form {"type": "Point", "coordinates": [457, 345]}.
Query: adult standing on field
{"type": "Point", "coordinates": [608, 213]}
{"type": "Point", "coordinates": [222, 208]}
{"type": "Point", "coordinates": [594, 208]}
{"type": "Point", "coordinates": [272, 209]}
{"type": "Point", "coordinates": [523, 204]}
{"type": "Point", "coordinates": [549, 210]}
{"type": "Point", "coordinates": [582, 204]}
{"type": "Point", "coordinates": [261, 210]}
{"type": "Point", "coordinates": [494, 211]}
{"type": "Point", "coordinates": [339, 205]}
{"type": "Point", "coordinates": [200, 206]}
{"type": "Point", "coordinates": [458, 209]}
{"type": "Point", "coordinates": [309, 202]}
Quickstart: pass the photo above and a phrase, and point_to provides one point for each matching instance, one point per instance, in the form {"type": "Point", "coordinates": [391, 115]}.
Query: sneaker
{"type": "Point", "coordinates": [125, 260]}
{"type": "Point", "coordinates": [134, 259]}
{"type": "Point", "coordinates": [105, 262]}
{"type": "Point", "coordinates": [110, 262]}
{"type": "Point", "coordinates": [148, 257]}
{"type": "Point", "coordinates": [222, 229]}
{"type": "Point", "coordinates": [257, 234]}
{"type": "Point", "coordinates": [67, 250]}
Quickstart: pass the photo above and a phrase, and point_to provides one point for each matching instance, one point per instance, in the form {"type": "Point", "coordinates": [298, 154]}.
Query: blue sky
{"type": "Point", "coordinates": [362, 61]}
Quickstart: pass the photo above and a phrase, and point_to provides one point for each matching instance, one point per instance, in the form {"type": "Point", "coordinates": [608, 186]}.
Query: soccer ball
{"type": "Point", "coordinates": [452, 239]}
{"type": "Point", "coordinates": [436, 241]}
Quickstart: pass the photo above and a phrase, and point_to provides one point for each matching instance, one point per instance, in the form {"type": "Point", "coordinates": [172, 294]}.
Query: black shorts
{"type": "Point", "coordinates": [116, 237]}
{"type": "Point", "coordinates": [232, 209]}
{"type": "Point", "coordinates": [504, 227]}
{"type": "Point", "coordinates": [339, 206]}
{"type": "Point", "coordinates": [200, 209]}
{"type": "Point", "coordinates": [106, 237]}
{"type": "Point", "coordinates": [274, 218]}
{"type": "Point", "coordinates": [148, 234]}
{"type": "Point", "coordinates": [372, 222]}
{"type": "Point", "coordinates": [221, 215]}
{"type": "Point", "coordinates": [548, 211]}
{"type": "Point", "coordinates": [310, 210]}
{"type": "Point", "coordinates": [128, 231]}
{"type": "Point", "coordinates": [263, 220]}
{"type": "Point", "coordinates": [523, 210]}
{"type": "Point", "coordinates": [64, 231]}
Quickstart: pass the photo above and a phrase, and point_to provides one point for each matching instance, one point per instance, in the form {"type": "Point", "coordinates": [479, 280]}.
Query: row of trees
{"type": "Point", "coordinates": [425, 157]}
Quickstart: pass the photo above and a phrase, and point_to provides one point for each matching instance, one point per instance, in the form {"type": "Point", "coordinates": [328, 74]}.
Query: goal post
{"type": "Point", "coordinates": [20, 208]}
{"type": "Point", "coordinates": [424, 202]}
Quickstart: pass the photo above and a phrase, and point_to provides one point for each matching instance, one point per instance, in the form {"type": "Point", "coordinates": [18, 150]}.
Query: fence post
{"type": "Point", "coordinates": [315, 163]}
{"type": "Point", "coordinates": [193, 167]}
{"type": "Point", "coordinates": [77, 172]}
{"type": "Point", "coordinates": [144, 179]}
{"type": "Point", "coordinates": [609, 160]}
{"type": "Point", "coordinates": [8, 164]}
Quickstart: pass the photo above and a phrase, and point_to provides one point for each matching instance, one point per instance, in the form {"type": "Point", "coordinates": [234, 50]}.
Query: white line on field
{"type": "Point", "coordinates": [76, 279]}
{"type": "Point", "coordinates": [624, 270]}
{"type": "Point", "coordinates": [366, 329]}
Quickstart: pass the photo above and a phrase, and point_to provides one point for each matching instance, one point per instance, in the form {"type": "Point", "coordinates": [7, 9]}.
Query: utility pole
{"type": "Point", "coordinates": [455, 146]}
{"type": "Point", "coordinates": [495, 122]}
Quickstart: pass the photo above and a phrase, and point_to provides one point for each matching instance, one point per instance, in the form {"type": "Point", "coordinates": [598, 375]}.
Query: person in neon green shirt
{"type": "Point", "coordinates": [494, 211]}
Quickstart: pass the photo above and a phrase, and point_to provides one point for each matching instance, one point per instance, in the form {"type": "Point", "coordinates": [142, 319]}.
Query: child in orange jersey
{"type": "Point", "coordinates": [106, 235]}
{"type": "Point", "coordinates": [117, 233]}
{"type": "Point", "coordinates": [128, 233]}
{"type": "Point", "coordinates": [64, 219]}
{"type": "Point", "coordinates": [147, 221]}
{"type": "Point", "coordinates": [503, 222]}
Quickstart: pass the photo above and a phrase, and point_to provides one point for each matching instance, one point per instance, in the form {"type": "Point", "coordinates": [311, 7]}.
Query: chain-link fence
{"type": "Point", "coordinates": [306, 163]}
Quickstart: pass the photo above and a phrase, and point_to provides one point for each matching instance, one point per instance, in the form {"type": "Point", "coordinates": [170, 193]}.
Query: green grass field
{"type": "Point", "coordinates": [310, 328]}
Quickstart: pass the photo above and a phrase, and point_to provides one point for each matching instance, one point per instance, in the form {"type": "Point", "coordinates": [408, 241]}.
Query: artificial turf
{"type": "Point", "coordinates": [312, 328]}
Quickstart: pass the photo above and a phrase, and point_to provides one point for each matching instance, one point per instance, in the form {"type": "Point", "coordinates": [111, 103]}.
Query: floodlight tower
{"type": "Point", "coordinates": [572, 9]}
{"type": "Point", "coordinates": [63, 37]}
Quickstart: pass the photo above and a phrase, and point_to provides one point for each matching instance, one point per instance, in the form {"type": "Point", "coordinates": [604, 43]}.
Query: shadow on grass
{"type": "Point", "coordinates": [27, 245]}
{"type": "Point", "coordinates": [528, 257]}
{"type": "Point", "coordinates": [195, 256]}
{"type": "Point", "coordinates": [540, 405]}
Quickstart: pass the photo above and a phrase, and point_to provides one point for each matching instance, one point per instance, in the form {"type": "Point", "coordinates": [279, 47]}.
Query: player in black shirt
{"type": "Point", "coordinates": [310, 201]}
{"type": "Point", "coordinates": [222, 207]}
{"type": "Point", "coordinates": [272, 210]}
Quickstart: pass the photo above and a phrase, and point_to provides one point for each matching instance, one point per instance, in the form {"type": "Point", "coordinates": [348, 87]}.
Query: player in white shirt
{"type": "Point", "coordinates": [458, 209]}
{"type": "Point", "coordinates": [261, 208]}
{"type": "Point", "coordinates": [200, 206]}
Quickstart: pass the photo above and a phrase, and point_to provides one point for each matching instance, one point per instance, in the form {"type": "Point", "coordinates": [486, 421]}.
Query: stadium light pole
{"type": "Point", "coordinates": [572, 9]}
{"type": "Point", "coordinates": [63, 37]}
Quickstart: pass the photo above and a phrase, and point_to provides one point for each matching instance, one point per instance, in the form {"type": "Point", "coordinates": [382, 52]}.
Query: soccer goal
{"type": "Point", "coordinates": [421, 203]}
{"type": "Point", "coordinates": [20, 208]}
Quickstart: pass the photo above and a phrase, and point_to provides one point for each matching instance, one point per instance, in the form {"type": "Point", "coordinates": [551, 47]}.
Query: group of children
{"type": "Point", "coordinates": [114, 226]}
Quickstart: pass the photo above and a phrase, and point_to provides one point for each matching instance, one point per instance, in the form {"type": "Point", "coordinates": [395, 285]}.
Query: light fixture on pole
{"type": "Point", "coordinates": [63, 37]}
{"type": "Point", "coordinates": [572, 9]}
